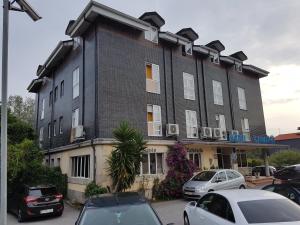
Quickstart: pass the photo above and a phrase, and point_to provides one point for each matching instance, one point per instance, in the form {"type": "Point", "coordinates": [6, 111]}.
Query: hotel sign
{"type": "Point", "coordinates": [240, 138]}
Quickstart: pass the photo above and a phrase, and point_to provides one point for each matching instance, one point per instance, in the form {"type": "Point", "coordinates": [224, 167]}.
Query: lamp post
{"type": "Point", "coordinates": [23, 7]}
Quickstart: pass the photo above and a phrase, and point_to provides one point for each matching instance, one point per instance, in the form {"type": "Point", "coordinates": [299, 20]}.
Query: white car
{"type": "Point", "coordinates": [213, 180]}
{"type": "Point", "coordinates": [242, 207]}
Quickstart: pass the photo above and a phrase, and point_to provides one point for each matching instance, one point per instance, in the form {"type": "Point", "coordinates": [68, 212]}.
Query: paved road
{"type": "Point", "coordinates": [169, 212]}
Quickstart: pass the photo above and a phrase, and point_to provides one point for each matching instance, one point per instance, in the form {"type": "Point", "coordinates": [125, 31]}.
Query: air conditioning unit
{"type": "Point", "coordinates": [234, 132]}
{"type": "Point", "coordinates": [206, 132]}
{"type": "Point", "coordinates": [217, 133]}
{"type": "Point", "coordinates": [77, 133]}
{"type": "Point", "coordinates": [172, 129]}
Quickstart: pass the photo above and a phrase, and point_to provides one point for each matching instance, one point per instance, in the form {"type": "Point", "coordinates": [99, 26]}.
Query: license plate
{"type": "Point", "coordinates": [46, 211]}
{"type": "Point", "coordinates": [188, 193]}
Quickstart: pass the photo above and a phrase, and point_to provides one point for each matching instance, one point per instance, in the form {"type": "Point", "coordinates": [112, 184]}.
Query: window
{"type": "Point", "coordinates": [52, 163]}
{"type": "Point", "coordinates": [245, 129]}
{"type": "Point", "coordinates": [152, 163]}
{"type": "Point", "coordinates": [41, 134]}
{"type": "Point", "coordinates": [152, 35]}
{"type": "Point", "coordinates": [62, 88]}
{"type": "Point", "coordinates": [58, 162]}
{"type": "Point", "coordinates": [60, 125]}
{"type": "Point", "coordinates": [76, 83]}
{"type": "Point", "coordinates": [189, 86]}
{"type": "Point", "coordinates": [49, 130]}
{"type": "Point", "coordinates": [55, 93]}
{"type": "Point", "coordinates": [242, 98]}
{"type": "Point", "coordinates": [154, 120]}
{"type": "Point", "coordinates": [238, 67]}
{"type": "Point", "coordinates": [50, 98]}
{"type": "Point", "coordinates": [54, 128]}
{"type": "Point", "coordinates": [221, 123]}
{"type": "Point", "coordinates": [191, 124]}
{"type": "Point", "coordinates": [80, 166]}
{"type": "Point", "coordinates": [231, 175]}
{"type": "Point", "coordinates": [218, 94]}
{"type": "Point", "coordinates": [152, 78]}
{"type": "Point", "coordinates": [75, 118]}
{"type": "Point", "coordinates": [214, 58]}
{"type": "Point", "coordinates": [195, 158]}
{"type": "Point", "coordinates": [43, 109]}
{"type": "Point", "coordinates": [188, 49]}
{"type": "Point", "coordinates": [222, 176]}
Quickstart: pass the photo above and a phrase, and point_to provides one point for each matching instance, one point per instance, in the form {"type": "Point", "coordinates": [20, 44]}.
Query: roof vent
{"type": "Point", "coordinates": [71, 22]}
{"type": "Point", "coordinates": [153, 18]}
{"type": "Point", "coordinates": [188, 33]}
{"type": "Point", "coordinates": [217, 45]}
{"type": "Point", "coordinates": [239, 55]}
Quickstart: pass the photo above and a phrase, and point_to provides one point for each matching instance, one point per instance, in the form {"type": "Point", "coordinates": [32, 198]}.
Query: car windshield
{"type": "Point", "coordinates": [139, 214]}
{"type": "Point", "coordinates": [204, 176]}
{"type": "Point", "coordinates": [42, 191]}
{"type": "Point", "coordinates": [270, 211]}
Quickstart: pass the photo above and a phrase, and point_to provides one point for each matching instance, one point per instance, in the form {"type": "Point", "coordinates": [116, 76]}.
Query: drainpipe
{"type": "Point", "coordinates": [204, 92]}
{"type": "Point", "coordinates": [165, 78]}
{"type": "Point", "coordinates": [198, 91]}
{"type": "Point", "coordinates": [230, 99]}
{"type": "Point", "coordinates": [94, 160]}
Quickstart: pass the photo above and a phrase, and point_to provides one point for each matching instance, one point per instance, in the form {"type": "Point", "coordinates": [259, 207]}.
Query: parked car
{"type": "Point", "coordinates": [28, 202]}
{"type": "Point", "coordinates": [242, 207]}
{"type": "Point", "coordinates": [212, 180]}
{"type": "Point", "coordinates": [289, 173]}
{"type": "Point", "coordinates": [126, 208]}
{"type": "Point", "coordinates": [262, 170]}
{"type": "Point", "coordinates": [290, 190]}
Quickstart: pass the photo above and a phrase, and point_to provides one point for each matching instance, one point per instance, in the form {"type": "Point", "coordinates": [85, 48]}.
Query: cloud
{"type": "Point", "coordinates": [280, 101]}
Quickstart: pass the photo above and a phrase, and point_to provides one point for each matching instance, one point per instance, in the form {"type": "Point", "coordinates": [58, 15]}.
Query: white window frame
{"type": "Point", "coordinates": [189, 86]}
{"type": "Point", "coordinates": [156, 124]}
{"type": "Point", "coordinates": [54, 128]}
{"type": "Point", "coordinates": [221, 121]}
{"type": "Point", "coordinates": [188, 48]}
{"type": "Point", "coordinates": [41, 136]}
{"type": "Point", "coordinates": [242, 98]}
{"type": "Point", "coordinates": [153, 85]}
{"type": "Point", "coordinates": [60, 125]}
{"type": "Point", "coordinates": [75, 118]}
{"type": "Point", "coordinates": [152, 35]}
{"type": "Point", "coordinates": [193, 159]}
{"type": "Point", "coordinates": [156, 167]}
{"type": "Point", "coordinates": [191, 124]}
{"type": "Point", "coordinates": [76, 83]}
{"type": "Point", "coordinates": [214, 58]}
{"type": "Point", "coordinates": [238, 67]}
{"type": "Point", "coordinates": [76, 171]}
{"type": "Point", "coordinates": [49, 130]}
{"type": "Point", "coordinates": [43, 109]}
{"type": "Point", "coordinates": [246, 128]}
{"type": "Point", "coordinates": [218, 92]}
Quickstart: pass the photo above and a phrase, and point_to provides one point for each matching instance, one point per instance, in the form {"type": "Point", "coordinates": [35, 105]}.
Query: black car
{"type": "Point", "coordinates": [288, 173]}
{"type": "Point", "coordinates": [290, 190]}
{"type": "Point", "coordinates": [28, 202]}
{"type": "Point", "coordinates": [126, 208]}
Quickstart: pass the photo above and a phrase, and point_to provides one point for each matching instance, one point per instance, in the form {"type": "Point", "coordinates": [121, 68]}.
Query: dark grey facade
{"type": "Point", "coordinates": [111, 59]}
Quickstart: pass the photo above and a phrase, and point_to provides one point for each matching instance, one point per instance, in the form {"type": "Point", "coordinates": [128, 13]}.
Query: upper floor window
{"type": "Point", "coordinates": [154, 120]}
{"type": "Point", "coordinates": [55, 93]}
{"type": "Point", "coordinates": [214, 57]}
{"type": "Point", "coordinates": [60, 125]}
{"type": "Point", "coordinates": [80, 166]}
{"type": "Point", "coordinates": [49, 130]}
{"type": "Point", "coordinates": [54, 128]}
{"type": "Point", "coordinates": [76, 83]}
{"type": "Point", "coordinates": [218, 93]}
{"type": "Point", "coordinates": [246, 129]}
{"type": "Point", "coordinates": [189, 86]}
{"type": "Point", "coordinates": [50, 98]}
{"type": "Point", "coordinates": [43, 109]}
{"type": "Point", "coordinates": [152, 35]}
{"type": "Point", "coordinates": [152, 78]}
{"type": "Point", "coordinates": [191, 124]}
{"type": "Point", "coordinates": [221, 123]}
{"type": "Point", "coordinates": [188, 48]}
{"type": "Point", "coordinates": [238, 66]}
{"type": "Point", "coordinates": [242, 98]}
{"type": "Point", "coordinates": [152, 163]}
{"type": "Point", "coordinates": [62, 88]}
{"type": "Point", "coordinates": [75, 118]}
{"type": "Point", "coordinates": [41, 136]}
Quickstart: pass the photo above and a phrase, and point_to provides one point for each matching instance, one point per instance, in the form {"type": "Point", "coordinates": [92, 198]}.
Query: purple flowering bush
{"type": "Point", "coordinates": [180, 170]}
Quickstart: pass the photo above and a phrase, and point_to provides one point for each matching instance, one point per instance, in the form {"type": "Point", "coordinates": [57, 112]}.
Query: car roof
{"type": "Point", "coordinates": [108, 200]}
{"type": "Point", "coordinates": [248, 195]}
{"type": "Point", "coordinates": [40, 186]}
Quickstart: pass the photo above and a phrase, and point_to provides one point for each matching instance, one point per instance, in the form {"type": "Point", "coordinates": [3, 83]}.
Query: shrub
{"type": "Point", "coordinates": [93, 189]}
{"type": "Point", "coordinates": [180, 170]}
{"type": "Point", "coordinates": [255, 162]}
{"type": "Point", "coordinates": [285, 158]}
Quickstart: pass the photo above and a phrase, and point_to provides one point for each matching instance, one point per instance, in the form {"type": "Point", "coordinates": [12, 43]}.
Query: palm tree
{"type": "Point", "coordinates": [124, 161]}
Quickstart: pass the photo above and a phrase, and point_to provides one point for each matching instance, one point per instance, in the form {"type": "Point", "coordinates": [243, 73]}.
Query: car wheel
{"type": "Point", "coordinates": [242, 187]}
{"type": "Point", "coordinates": [59, 214]}
{"type": "Point", "coordinates": [186, 220]}
{"type": "Point", "coordinates": [20, 216]}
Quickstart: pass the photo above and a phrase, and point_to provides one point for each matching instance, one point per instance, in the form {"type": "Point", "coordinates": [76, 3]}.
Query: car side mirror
{"type": "Point", "coordinates": [193, 203]}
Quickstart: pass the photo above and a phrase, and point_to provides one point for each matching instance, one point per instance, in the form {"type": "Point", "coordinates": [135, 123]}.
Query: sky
{"type": "Point", "coordinates": [266, 30]}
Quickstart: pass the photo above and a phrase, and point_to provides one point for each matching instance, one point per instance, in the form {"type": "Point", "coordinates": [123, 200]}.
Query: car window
{"type": "Point", "coordinates": [204, 176]}
{"type": "Point", "coordinates": [42, 192]}
{"type": "Point", "coordinates": [262, 211]}
{"type": "Point", "coordinates": [222, 176]}
{"type": "Point", "coordinates": [269, 188]}
{"type": "Point", "coordinates": [237, 175]}
{"type": "Point", "coordinates": [141, 214]}
{"type": "Point", "coordinates": [217, 205]}
{"type": "Point", "coordinates": [231, 175]}
{"type": "Point", "coordinates": [286, 192]}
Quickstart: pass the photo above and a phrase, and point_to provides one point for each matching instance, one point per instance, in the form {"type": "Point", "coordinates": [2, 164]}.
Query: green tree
{"type": "Point", "coordinates": [285, 158]}
{"type": "Point", "coordinates": [124, 161]}
{"type": "Point", "coordinates": [22, 109]}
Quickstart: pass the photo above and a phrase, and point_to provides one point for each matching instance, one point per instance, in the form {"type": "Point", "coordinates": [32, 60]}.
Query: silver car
{"type": "Point", "coordinates": [213, 180]}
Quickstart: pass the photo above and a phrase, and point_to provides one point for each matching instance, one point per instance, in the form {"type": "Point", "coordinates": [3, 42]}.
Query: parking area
{"type": "Point", "coordinates": [169, 212]}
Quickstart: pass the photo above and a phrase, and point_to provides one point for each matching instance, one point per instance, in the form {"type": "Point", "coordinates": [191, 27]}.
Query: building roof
{"type": "Point", "coordinates": [217, 45]}
{"type": "Point", "coordinates": [291, 136]}
{"type": "Point", "coordinates": [240, 55]}
{"type": "Point", "coordinates": [153, 18]}
{"type": "Point", "coordinates": [188, 33]}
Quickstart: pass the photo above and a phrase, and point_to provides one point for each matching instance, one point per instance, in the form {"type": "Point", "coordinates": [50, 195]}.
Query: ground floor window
{"type": "Point", "coordinates": [196, 159]}
{"type": "Point", "coordinates": [152, 163]}
{"type": "Point", "coordinates": [242, 159]}
{"type": "Point", "coordinates": [80, 166]}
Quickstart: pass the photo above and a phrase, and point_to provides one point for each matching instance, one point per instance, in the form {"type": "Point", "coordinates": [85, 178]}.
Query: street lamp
{"type": "Point", "coordinates": [23, 6]}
